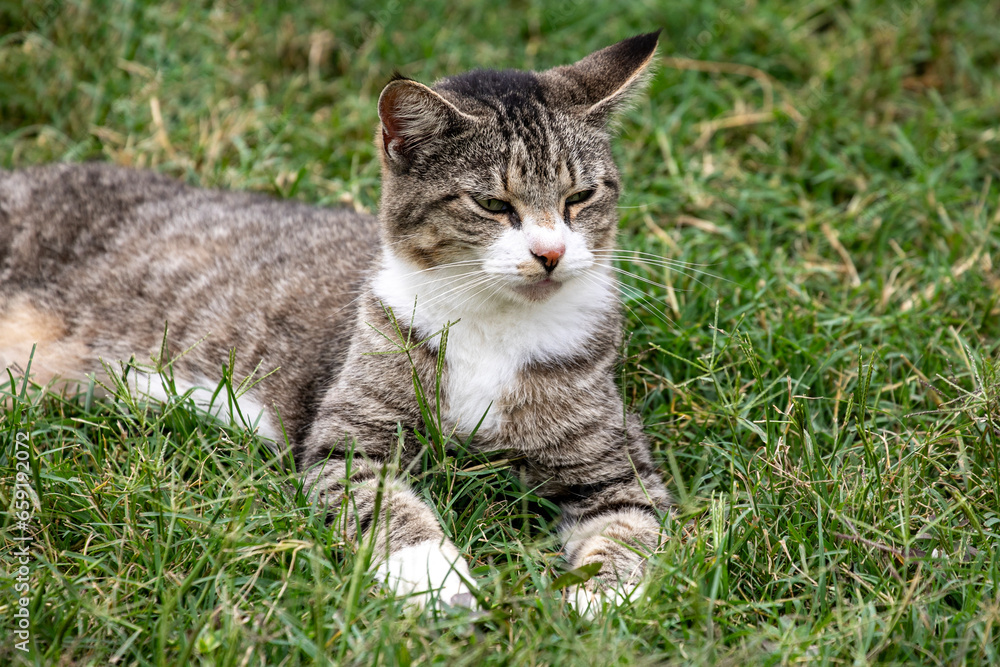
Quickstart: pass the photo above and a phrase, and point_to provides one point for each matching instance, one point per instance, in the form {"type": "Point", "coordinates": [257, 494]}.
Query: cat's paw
{"type": "Point", "coordinates": [429, 574]}
{"type": "Point", "coordinates": [591, 601]}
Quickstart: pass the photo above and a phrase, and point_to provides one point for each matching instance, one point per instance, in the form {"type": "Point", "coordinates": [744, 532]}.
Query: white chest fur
{"type": "Point", "coordinates": [494, 337]}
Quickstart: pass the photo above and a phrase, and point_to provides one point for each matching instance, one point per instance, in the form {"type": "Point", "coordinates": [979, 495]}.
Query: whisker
{"type": "Point", "coordinates": [450, 292]}
{"type": "Point", "coordinates": [674, 269]}
{"type": "Point", "coordinates": [492, 286]}
{"type": "Point", "coordinates": [451, 284]}
{"type": "Point", "coordinates": [363, 292]}
{"type": "Point", "coordinates": [631, 292]}
{"type": "Point", "coordinates": [635, 294]}
{"type": "Point", "coordinates": [645, 257]}
{"type": "Point", "coordinates": [494, 293]}
{"type": "Point", "coordinates": [639, 252]}
{"type": "Point", "coordinates": [639, 256]}
{"type": "Point", "coordinates": [482, 286]}
{"type": "Point", "coordinates": [462, 276]}
{"type": "Point", "coordinates": [623, 272]}
{"type": "Point", "coordinates": [653, 283]}
{"type": "Point", "coordinates": [402, 238]}
{"type": "Point", "coordinates": [441, 267]}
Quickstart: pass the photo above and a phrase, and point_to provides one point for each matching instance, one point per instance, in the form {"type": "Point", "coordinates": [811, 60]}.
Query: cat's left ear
{"type": "Point", "coordinates": [604, 82]}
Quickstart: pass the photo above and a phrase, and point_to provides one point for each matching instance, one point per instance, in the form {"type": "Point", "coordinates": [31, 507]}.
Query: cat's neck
{"type": "Point", "coordinates": [541, 331]}
{"type": "Point", "coordinates": [492, 339]}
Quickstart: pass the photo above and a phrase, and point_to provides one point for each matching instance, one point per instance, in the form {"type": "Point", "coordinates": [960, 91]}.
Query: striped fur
{"type": "Point", "coordinates": [497, 187]}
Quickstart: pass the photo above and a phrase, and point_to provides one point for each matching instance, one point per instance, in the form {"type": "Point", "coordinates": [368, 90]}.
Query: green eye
{"type": "Point", "coordinates": [577, 197]}
{"type": "Point", "coordinates": [494, 205]}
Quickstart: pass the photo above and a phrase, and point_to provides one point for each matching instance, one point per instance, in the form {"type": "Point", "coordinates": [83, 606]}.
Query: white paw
{"type": "Point", "coordinates": [428, 574]}
{"type": "Point", "coordinates": [591, 603]}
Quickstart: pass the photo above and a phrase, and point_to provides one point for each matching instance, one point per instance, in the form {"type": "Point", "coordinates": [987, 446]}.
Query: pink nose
{"type": "Point", "coordinates": [549, 254]}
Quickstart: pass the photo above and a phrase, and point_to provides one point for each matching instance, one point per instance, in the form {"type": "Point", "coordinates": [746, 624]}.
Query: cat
{"type": "Point", "coordinates": [499, 197]}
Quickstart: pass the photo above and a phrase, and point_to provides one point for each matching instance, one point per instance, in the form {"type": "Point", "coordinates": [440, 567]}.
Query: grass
{"type": "Point", "coordinates": [823, 392]}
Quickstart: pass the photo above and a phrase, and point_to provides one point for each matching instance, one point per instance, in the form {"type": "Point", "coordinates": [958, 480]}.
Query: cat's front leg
{"type": "Point", "coordinates": [612, 507]}
{"type": "Point", "coordinates": [620, 541]}
{"type": "Point", "coordinates": [430, 573]}
{"type": "Point", "coordinates": [347, 458]}
{"type": "Point", "coordinates": [410, 554]}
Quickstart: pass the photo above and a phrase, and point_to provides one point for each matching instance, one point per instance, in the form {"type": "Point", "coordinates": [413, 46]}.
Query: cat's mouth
{"type": "Point", "coordinates": [539, 291]}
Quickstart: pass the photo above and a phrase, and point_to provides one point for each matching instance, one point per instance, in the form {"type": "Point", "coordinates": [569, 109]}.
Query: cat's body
{"type": "Point", "coordinates": [498, 190]}
{"type": "Point", "coordinates": [95, 259]}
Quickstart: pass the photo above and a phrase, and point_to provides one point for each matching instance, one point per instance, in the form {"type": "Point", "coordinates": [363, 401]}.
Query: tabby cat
{"type": "Point", "coordinates": [498, 195]}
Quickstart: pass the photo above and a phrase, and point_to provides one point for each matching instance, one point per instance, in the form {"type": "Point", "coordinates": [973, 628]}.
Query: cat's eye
{"type": "Point", "coordinates": [581, 196]}
{"type": "Point", "coordinates": [494, 205]}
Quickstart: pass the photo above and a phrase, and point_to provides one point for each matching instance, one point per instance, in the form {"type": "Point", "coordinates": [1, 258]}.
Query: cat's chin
{"type": "Point", "coordinates": [540, 291]}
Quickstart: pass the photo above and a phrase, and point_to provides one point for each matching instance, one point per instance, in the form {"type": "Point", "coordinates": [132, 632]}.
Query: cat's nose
{"type": "Point", "coordinates": [548, 255]}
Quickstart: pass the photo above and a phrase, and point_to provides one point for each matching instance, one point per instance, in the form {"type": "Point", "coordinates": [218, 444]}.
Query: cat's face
{"type": "Point", "coordinates": [507, 173]}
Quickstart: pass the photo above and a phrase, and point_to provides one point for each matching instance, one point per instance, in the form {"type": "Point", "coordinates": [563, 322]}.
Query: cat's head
{"type": "Point", "coordinates": [508, 172]}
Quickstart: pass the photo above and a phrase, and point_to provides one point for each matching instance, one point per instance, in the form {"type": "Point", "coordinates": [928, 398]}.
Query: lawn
{"type": "Point", "coordinates": [820, 376]}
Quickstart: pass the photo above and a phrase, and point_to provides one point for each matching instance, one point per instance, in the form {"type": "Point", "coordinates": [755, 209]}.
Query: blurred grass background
{"type": "Point", "coordinates": [821, 387]}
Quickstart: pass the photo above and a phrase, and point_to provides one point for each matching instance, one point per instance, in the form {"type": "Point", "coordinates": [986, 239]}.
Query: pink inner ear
{"type": "Point", "coordinates": [390, 124]}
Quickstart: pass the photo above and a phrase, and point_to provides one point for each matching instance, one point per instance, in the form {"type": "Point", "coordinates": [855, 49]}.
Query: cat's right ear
{"type": "Point", "coordinates": [413, 116]}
